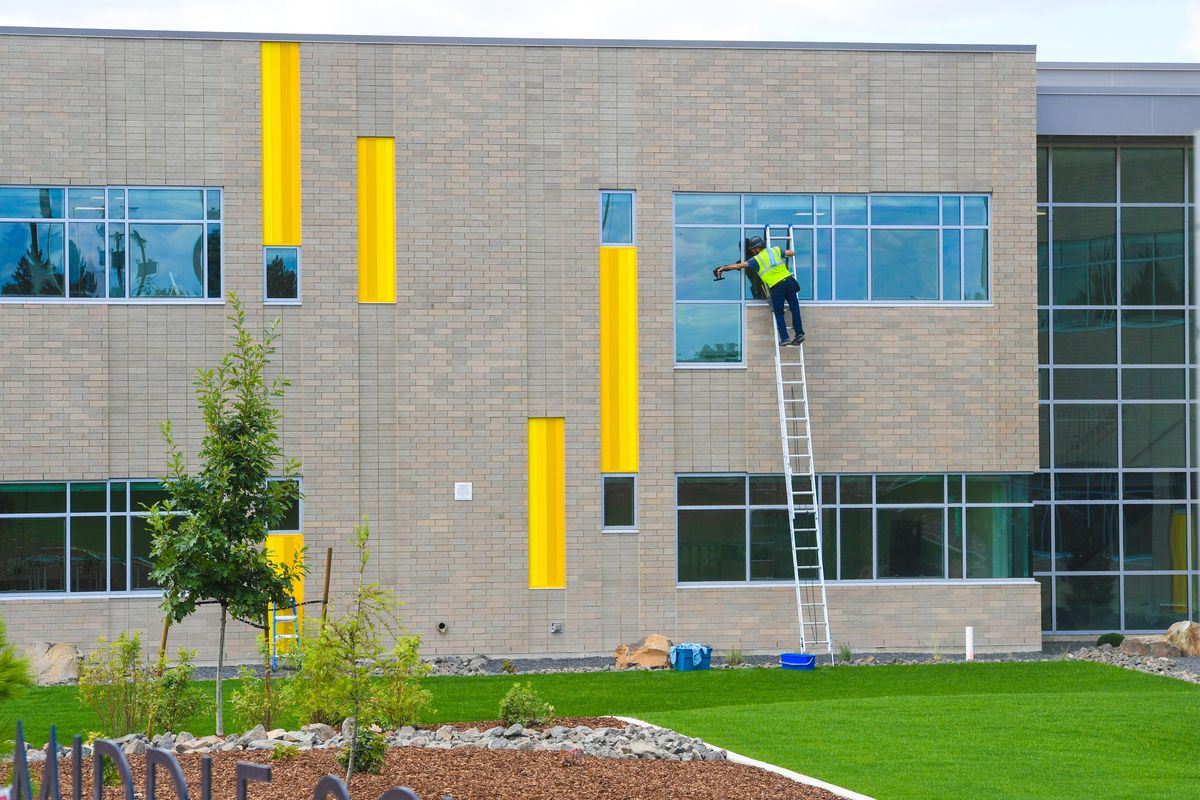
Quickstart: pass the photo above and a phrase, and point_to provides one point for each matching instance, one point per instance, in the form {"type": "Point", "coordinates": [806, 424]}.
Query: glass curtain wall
{"type": "Point", "coordinates": [1114, 542]}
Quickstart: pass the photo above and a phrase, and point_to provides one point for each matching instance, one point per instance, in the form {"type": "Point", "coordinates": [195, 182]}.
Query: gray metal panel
{"type": "Point", "coordinates": [518, 42]}
{"type": "Point", "coordinates": [1117, 115]}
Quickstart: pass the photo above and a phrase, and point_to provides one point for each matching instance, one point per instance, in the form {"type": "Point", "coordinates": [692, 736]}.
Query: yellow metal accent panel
{"type": "Point", "coordinates": [618, 360]}
{"type": "Point", "coordinates": [376, 220]}
{"type": "Point", "coordinates": [281, 143]}
{"type": "Point", "coordinates": [282, 549]}
{"type": "Point", "coordinates": [547, 503]}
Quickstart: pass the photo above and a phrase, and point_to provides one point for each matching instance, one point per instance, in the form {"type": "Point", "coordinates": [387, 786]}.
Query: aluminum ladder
{"type": "Point", "coordinates": [804, 512]}
{"type": "Point", "coordinates": [293, 621]}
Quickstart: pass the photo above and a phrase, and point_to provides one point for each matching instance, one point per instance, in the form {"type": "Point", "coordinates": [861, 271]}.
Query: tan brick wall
{"type": "Point", "coordinates": [500, 152]}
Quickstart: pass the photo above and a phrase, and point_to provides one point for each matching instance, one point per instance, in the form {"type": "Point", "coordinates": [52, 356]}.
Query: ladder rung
{"type": "Point", "coordinates": [285, 636]}
{"type": "Point", "coordinates": [281, 618]}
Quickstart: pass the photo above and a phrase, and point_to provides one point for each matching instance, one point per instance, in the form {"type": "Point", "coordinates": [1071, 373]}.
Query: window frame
{"type": "Point", "coordinates": [632, 217]}
{"type": "Point", "coordinates": [632, 528]}
{"type": "Point", "coordinates": [283, 301]}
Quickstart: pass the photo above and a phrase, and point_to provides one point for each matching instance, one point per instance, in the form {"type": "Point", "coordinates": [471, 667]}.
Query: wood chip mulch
{"type": "Point", "coordinates": [472, 774]}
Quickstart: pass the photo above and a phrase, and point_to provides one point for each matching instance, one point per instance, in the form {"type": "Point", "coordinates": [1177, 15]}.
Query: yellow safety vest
{"type": "Point", "coordinates": [772, 267]}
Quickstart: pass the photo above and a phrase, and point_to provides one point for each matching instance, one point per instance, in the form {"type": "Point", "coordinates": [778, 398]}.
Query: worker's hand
{"type": "Point", "coordinates": [717, 274]}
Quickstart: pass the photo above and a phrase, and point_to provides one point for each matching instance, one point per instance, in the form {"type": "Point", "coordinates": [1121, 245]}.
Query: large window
{"type": "Point", "coordinates": [110, 243]}
{"type": "Point", "coordinates": [81, 537]}
{"type": "Point", "coordinates": [1114, 542]}
{"type": "Point", "coordinates": [880, 248]}
{"type": "Point", "coordinates": [734, 528]}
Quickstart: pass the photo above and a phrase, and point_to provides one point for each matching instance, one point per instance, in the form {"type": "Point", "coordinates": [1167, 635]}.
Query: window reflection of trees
{"type": "Point", "coordinates": [36, 274]}
{"type": "Point", "coordinates": [281, 281]}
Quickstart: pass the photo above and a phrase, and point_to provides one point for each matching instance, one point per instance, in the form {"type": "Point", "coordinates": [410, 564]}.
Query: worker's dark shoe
{"type": "Point", "coordinates": [799, 338]}
{"type": "Point", "coordinates": [784, 342]}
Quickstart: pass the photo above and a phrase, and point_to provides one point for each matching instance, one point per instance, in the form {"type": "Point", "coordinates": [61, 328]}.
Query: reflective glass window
{"type": "Point", "coordinates": [712, 490]}
{"type": "Point", "coordinates": [712, 545]}
{"type": "Point", "coordinates": [87, 255]}
{"type": "Point", "coordinates": [1045, 584]}
{"type": "Point", "coordinates": [954, 543]}
{"type": "Point", "coordinates": [910, 542]}
{"type": "Point", "coordinates": [904, 264]}
{"type": "Point", "coordinates": [952, 264]}
{"type": "Point", "coordinates": [1155, 486]}
{"type": "Point", "coordinates": [1085, 486]}
{"type": "Point", "coordinates": [1043, 256]}
{"type": "Point", "coordinates": [620, 501]}
{"type": "Point", "coordinates": [1085, 436]}
{"type": "Point", "coordinates": [1154, 602]}
{"type": "Point", "coordinates": [31, 259]}
{"type": "Point", "coordinates": [770, 545]}
{"type": "Point", "coordinates": [166, 204]}
{"type": "Point", "coordinates": [214, 261]}
{"type": "Point", "coordinates": [1087, 537]}
{"type": "Point", "coordinates": [291, 518]}
{"type": "Point", "coordinates": [166, 260]}
{"type": "Point", "coordinates": [1085, 384]}
{"type": "Point", "coordinates": [802, 263]}
{"type": "Point", "coordinates": [1085, 337]}
{"type": "Point", "coordinates": [1044, 436]}
{"type": "Point", "coordinates": [140, 560]}
{"type": "Point", "coordinates": [1087, 602]}
{"type": "Point", "coordinates": [975, 210]}
{"type": "Point", "coordinates": [85, 202]}
{"type": "Point", "coordinates": [952, 210]}
{"type": "Point", "coordinates": [1040, 533]}
{"type": "Point", "coordinates": [708, 209]}
{"type": "Point", "coordinates": [89, 498]}
{"type": "Point", "coordinates": [1085, 256]}
{"type": "Point", "coordinates": [824, 263]}
{"type": "Point", "coordinates": [1152, 175]}
{"type": "Point", "coordinates": [1155, 536]}
{"type": "Point", "coordinates": [856, 489]}
{"type": "Point", "coordinates": [117, 235]}
{"type": "Point", "coordinates": [33, 498]}
{"type": "Point", "coordinates": [34, 555]}
{"type": "Point", "coordinates": [823, 209]}
{"type": "Point", "coordinates": [1153, 435]}
{"type": "Point", "coordinates": [708, 333]}
{"type": "Point", "coordinates": [616, 218]}
{"type": "Point", "coordinates": [850, 209]}
{"type": "Point", "coordinates": [116, 204]}
{"type": "Point", "coordinates": [281, 266]}
{"type": "Point", "coordinates": [778, 209]}
{"type": "Point", "coordinates": [1152, 256]}
{"type": "Point", "coordinates": [24, 202]}
{"type": "Point", "coordinates": [117, 497]}
{"type": "Point", "coordinates": [891, 209]}
{"type": "Point", "coordinates": [909, 489]}
{"type": "Point", "coordinates": [1043, 175]}
{"type": "Point", "coordinates": [145, 494]}
{"type": "Point", "coordinates": [1084, 175]}
{"type": "Point", "coordinates": [857, 552]}
{"type": "Point", "coordinates": [998, 542]}
{"type": "Point", "coordinates": [1043, 337]}
{"type": "Point", "coordinates": [697, 252]}
{"type": "Point", "coordinates": [89, 554]}
{"type": "Point", "coordinates": [118, 554]}
{"type": "Point", "coordinates": [214, 203]}
{"type": "Point", "coordinates": [768, 490]}
{"type": "Point", "coordinates": [997, 488]}
{"type": "Point", "coordinates": [851, 260]}
{"type": "Point", "coordinates": [1153, 337]}
{"type": "Point", "coordinates": [975, 264]}
{"type": "Point", "coordinates": [954, 488]}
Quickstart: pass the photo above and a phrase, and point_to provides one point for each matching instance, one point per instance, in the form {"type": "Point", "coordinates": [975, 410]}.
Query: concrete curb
{"type": "Point", "coordinates": [738, 758]}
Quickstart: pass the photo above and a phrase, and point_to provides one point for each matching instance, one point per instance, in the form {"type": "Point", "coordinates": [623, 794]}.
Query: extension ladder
{"type": "Point", "coordinates": [293, 622]}
{"type": "Point", "coordinates": [804, 511]}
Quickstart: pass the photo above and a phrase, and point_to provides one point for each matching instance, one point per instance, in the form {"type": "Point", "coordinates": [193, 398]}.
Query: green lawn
{"type": "Point", "coordinates": [1044, 730]}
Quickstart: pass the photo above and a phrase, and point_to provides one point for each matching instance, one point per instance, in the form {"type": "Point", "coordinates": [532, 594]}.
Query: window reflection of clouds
{"type": "Point", "coordinates": [166, 260]}
{"type": "Point", "coordinates": [708, 332]}
{"type": "Point", "coordinates": [166, 204]}
{"type": "Point", "coordinates": [906, 264]}
{"type": "Point", "coordinates": [697, 252]}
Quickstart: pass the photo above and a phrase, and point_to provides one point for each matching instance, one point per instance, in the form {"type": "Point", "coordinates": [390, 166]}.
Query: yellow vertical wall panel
{"type": "Point", "coordinates": [376, 219]}
{"type": "Point", "coordinates": [618, 360]}
{"type": "Point", "coordinates": [280, 62]}
{"type": "Point", "coordinates": [282, 548]}
{"type": "Point", "coordinates": [547, 503]}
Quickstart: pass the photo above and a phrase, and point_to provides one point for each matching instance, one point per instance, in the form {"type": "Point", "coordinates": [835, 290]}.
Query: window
{"type": "Point", "coordinates": [281, 274]}
{"type": "Point", "coordinates": [734, 528]}
{"type": "Point", "coordinates": [110, 243]}
{"type": "Point", "coordinates": [616, 218]}
{"type": "Point", "coordinates": [82, 537]}
{"type": "Point", "coordinates": [620, 502]}
{"type": "Point", "coordinates": [883, 248]}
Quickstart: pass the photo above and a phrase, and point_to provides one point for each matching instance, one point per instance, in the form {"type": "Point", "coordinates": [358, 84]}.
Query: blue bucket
{"type": "Point", "coordinates": [797, 660]}
{"type": "Point", "coordinates": [689, 657]}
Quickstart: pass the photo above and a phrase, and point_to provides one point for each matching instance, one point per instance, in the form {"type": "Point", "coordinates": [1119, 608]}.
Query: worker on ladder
{"type": "Point", "coordinates": [771, 267]}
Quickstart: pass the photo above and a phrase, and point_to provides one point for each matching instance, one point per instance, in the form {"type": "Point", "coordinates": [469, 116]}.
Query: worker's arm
{"type": "Point", "coordinates": [729, 267]}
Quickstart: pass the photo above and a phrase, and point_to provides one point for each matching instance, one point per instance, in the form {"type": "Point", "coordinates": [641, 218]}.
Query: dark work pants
{"type": "Point", "coordinates": [786, 291]}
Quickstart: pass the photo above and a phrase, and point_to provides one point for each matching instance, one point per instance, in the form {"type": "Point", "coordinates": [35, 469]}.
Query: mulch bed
{"type": "Point", "coordinates": [472, 774]}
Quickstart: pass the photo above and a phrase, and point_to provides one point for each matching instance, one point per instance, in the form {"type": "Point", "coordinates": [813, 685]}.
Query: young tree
{"type": "Point", "coordinates": [208, 535]}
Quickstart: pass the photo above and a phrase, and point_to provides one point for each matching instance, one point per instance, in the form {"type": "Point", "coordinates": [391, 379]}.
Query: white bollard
{"type": "Point", "coordinates": [970, 643]}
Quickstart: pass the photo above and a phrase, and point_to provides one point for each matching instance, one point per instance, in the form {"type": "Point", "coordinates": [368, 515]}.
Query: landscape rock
{"type": "Point", "coordinates": [653, 652]}
{"type": "Point", "coordinates": [1134, 646]}
{"type": "Point", "coordinates": [319, 732]}
{"type": "Point", "coordinates": [1161, 648]}
{"type": "Point", "coordinates": [134, 747]}
{"type": "Point", "coordinates": [1186, 636]}
{"type": "Point", "coordinates": [276, 733]}
{"type": "Point", "coordinates": [348, 728]}
{"type": "Point", "coordinates": [53, 663]}
{"type": "Point", "coordinates": [254, 734]}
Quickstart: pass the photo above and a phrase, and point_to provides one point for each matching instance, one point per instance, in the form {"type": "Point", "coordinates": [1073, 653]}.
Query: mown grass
{"type": "Point", "coordinates": [1045, 730]}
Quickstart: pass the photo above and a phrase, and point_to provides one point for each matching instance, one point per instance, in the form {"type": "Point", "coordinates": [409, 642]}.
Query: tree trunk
{"type": "Point", "coordinates": [353, 745]}
{"type": "Point", "coordinates": [220, 667]}
{"type": "Point", "coordinates": [267, 672]}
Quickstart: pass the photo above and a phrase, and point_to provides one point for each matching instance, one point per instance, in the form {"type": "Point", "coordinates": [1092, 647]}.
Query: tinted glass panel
{"type": "Point", "coordinates": [1152, 256]}
{"type": "Point", "coordinates": [31, 259]}
{"type": "Point", "coordinates": [997, 489]}
{"type": "Point", "coordinates": [954, 488]}
{"type": "Point", "coordinates": [904, 210]}
{"type": "Point", "coordinates": [856, 489]}
{"type": "Point", "coordinates": [86, 202]}
{"type": "Point", "coordinates": [1041, 536]}
{"type": "Point", "coordinates": [140, 561]}
{"type": "Point", "coordinates": [1047, 602]}
{"type": "Point", "coordinates": [768, 490]}
{"type": "Point", "coordinates": [116, 204]}
{"type": "Point", "coordinates": [722, 209]}
{"type": "Point", "coordinates": [1043, 256]}
{"type": "Point", "coordinates": [291, 517]}
{"type": "Point", "coordinates": [952, 210]}
{"type": "Point", "coordinates": [1044, 436]}
{"type": "Point", "coordinates": [89, 554]}
{"type": "Point", "coordinates": [116, 496]}
{"type": "Point", "coordinates": [31, 203]}
{"type": "Point", "coordinates": [1154, 435]}
{"type": "Point", "coordinates": [802, 263]}
{"type": "Point", "coordinates": [1152, 337]}
{"type": "Point", "coordinates": [952, 264]}
{"type": "Point", "coordinates": [954, 539]}
{"type": "Point", "coordinates": [1085, 256]}
{"type": "Point", "coordinates": [87, 253]}
{"type": "Point", "coordinates": [770, 545]}
{"type": "Point", "coordinates": [116, 260]}
{"type": "Point", "coordinates": [145, 494]}
{"type": "Point", "coordinates": [717, 490]}
{"type": "Point", "coordinates": [1085, 486]}
{"type": "Point", "coordinates": [1155, 486]}
{"type": "Point", "coordinates": [1043, 337]}
{"type": "Point", "coordinates": [1085, 384]}
{"type": "Point", "coordinates": [850, 209]}
{"type": "Point", "coordinates": [975, 211]}
{"type": "Point", "coordinates": [214, 203]}
{"type": "Point", "coordinates": [914, 489]}
{"type": "Point", "coordinates": [708, 333]}
{"type": "Point", "coordinates": [618, 502]}
{"type": "Point", "coordinates": [824, 262]}
{"type": "Point", "coordinates": [214, 261]}
{"type": "Point", "coordinates": [1087, 603]}
{"type": "Point", "coordinates": [975, 264]}
{"type": "Point", "coordinates": [1085, 436]}
{"type": "Point", "coordinates": [33, 498]}
{"type": "Point", "coordinates": [856, 548]}
{"type": "Point", "coordinates": [1084, 175]}
{"type": "Point", "coordinates": [1151, 175]}
{"type": "Point", "coordinates": [1085, 337]}
{"type": "Point", "coordinates": [1154, 602]}
{"type": "Point", "coordinates": [167, 260]}
{"type": "Point", "coordinates": [118, 559]}
{"type": "Point", "coordinates": [616, 218]}
{"type": "Point", "coordinates": [712, 545]}
{"type": "Point", "coordinates": [851, 282]}
{"type": "Point", "coordinates": [34, 555]}
{"type": "Point", "coordinates": [910, 543]}
{"type": "Point", "coordinates": [1155, 536]}
{"type": "Point", "coordinates": [998, 542]}
{"type": "Point", "coordinates": [697, 252]}
{"type": "Point", "coordinates": [1086, 538]}
{"type": "Point", "coordinates": [282, 265]}
{"type": "Point", "coordinates": [89, 498]}
{"type": "Point", "coordinates": [904, 264]}
{"type": "Point", "coordinates": [166, 204]}
{"type": "Point", "coordinates": [1043, 175]}
{"type": "Point", "coordinates": [779, 209]}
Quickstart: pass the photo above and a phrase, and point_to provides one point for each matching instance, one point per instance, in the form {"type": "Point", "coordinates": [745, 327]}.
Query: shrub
{"type": "Point", "coordinates": [284, 752]}
{"type": "Point", "coordinates": [522, 705]}
{"type": "Point", "coordinates": [128, 696]}
{"type": "Point", "coordinates": [735, 657]}
{"type": "Point", "coordinates": [1114, 639]}
{"type": "Point", "coordinates": [397, 698]}
{"type": "Point", "coordinates": [368, 753]}
{"type": "Point", "coordinates": [845, 654]}
{"type": "Point", "coordinates": [14, 677]}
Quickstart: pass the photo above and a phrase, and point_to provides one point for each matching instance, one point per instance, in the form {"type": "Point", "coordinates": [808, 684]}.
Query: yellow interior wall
{"type": "Point", "coordinates": [280, 63]}
{"type": "Point", "coordinates": [618, 359]}
{"type": "Point", "coordinates": [376, 220]}
{"type": "Point", "coordinates": [547, 503]}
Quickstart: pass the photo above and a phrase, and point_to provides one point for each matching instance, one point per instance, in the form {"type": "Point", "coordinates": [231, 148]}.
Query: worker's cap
{"type": "Point", "coordinates": [755, 243]}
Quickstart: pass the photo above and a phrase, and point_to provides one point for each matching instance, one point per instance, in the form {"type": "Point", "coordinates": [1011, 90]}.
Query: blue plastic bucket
{"type": "Point", "coordinates": [689, 657]}
{"type": "Point", "coordinates": [797, 660]}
